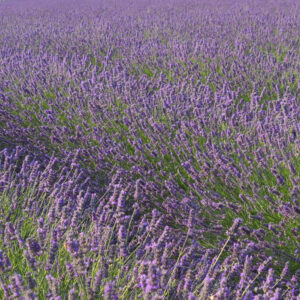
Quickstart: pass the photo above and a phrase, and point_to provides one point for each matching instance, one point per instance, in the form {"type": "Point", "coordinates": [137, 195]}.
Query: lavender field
{"type": "Point", "coordinates": [149, 149]}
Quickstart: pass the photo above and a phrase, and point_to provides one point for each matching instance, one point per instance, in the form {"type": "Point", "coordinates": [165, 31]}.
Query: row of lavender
{"type": "Point", "coordinates": [149, 150]}
{"type": "Point", "coordinates": [60, 237]}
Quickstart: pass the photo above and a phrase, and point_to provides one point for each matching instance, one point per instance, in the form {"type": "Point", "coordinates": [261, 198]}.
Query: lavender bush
{"type": "Point", "coordinates": [149, 149]}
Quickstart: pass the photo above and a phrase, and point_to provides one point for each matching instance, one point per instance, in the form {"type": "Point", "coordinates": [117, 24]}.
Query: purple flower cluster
{"type": "Point", "coordinates": [149, 150]}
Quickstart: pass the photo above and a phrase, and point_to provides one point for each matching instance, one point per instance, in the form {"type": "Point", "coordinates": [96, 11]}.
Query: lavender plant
{"type": "Point", "coordinates": [149, 150]}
